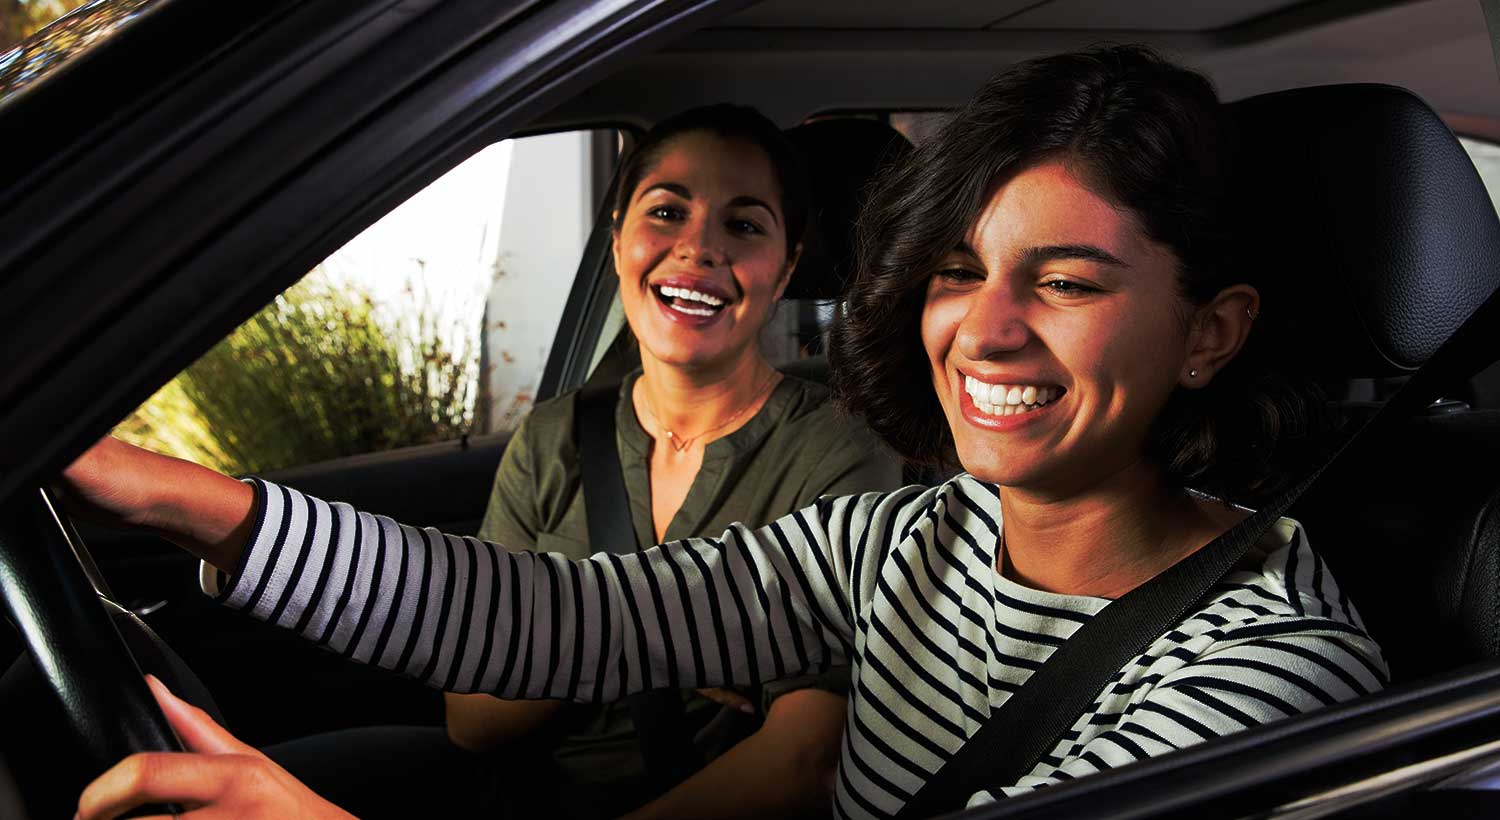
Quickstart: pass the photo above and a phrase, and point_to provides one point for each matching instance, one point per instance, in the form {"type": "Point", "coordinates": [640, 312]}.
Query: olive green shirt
{"type": "Point", "coordinates": [797, 448]}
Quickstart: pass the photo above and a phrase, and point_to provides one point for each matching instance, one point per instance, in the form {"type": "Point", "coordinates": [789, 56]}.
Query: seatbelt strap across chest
{"type": "Point", "coordinates": [665, 742]}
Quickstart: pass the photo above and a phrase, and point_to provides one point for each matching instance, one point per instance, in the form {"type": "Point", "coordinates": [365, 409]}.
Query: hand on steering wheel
{"type": "Point", "coordinates": [217, 777]}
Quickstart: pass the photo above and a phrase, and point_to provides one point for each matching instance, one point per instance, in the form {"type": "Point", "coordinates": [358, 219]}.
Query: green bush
{"type": "Point", "coordinates": [318, 374]}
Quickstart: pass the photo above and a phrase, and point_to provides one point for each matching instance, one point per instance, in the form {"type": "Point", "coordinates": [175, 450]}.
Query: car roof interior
{"type": "Point", "coordinates": [793, 59]}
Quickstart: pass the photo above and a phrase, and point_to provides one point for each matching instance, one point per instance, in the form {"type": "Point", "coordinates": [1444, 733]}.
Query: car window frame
{"type": "Point", "coordinates": [129, 300]}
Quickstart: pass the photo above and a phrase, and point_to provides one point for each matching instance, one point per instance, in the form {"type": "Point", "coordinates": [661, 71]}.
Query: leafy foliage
{"type": "Point", "coordinates": [320, 373]}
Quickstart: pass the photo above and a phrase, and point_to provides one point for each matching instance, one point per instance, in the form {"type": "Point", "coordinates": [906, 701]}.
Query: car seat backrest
{"type": "Point", "coordinates": [844, 156]}
{"type": "Point", "coordinates": [1371, 238]}
{"type": "Point", "coordinates": [1370, 232]}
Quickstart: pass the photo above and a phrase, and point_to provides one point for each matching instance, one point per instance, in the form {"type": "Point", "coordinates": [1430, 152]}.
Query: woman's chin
{"type": "Point", "coordinates": [688, 357]}
{"type": "Point", "coordinates": [997, 477]}
{"type": "Point", "coordinates": [985, 466]}
{"type": "Point", "coordinates": [994, 468]}
{"type": "Point", "coordinates": [696, 350]}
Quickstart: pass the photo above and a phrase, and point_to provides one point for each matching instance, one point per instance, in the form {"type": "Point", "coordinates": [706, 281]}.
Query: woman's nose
{"type": "Point", "coordinates": [994, 324]}
{"type": "Point", "coordinates": [700, 244]}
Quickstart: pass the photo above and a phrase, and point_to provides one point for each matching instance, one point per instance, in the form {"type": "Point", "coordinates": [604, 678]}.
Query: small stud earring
{"type": "Point", "coordinates": [1250, 313]}
{"type": "Point", "coordinates": [1193, 374]}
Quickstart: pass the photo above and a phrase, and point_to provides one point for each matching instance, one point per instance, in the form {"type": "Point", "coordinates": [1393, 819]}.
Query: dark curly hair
{"type": "Point", "coordinates": [732, 122]}
{"type": "Point", "coordinates": [1148, 135]}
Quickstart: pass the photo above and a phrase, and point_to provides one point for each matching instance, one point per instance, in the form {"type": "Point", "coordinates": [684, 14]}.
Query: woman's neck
{"type": "Point", "coordinates": [691, 401]}
{"type": "Point", "coordinates": [1105, 540]}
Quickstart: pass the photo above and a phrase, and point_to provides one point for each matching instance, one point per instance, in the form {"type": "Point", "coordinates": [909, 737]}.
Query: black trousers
{"type": "Point", "coordinates": [399, 772]}
{"type": "Point", "coordinates": [415, 771]}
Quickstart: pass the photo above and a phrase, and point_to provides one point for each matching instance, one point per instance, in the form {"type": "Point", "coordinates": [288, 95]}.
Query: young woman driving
{"type": "Point", "coordinates": [1056, 266]}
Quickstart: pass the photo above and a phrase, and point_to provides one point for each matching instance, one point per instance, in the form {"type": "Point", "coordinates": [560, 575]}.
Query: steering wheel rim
{"type": "Point", "coordinates": [72, 639]}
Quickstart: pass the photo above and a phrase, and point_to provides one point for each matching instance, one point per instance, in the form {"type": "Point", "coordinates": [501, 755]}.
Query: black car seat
{"type": "Point", "coordinates": [844, 157]}
{"type": "Point", "coordinates": [1371, 237]}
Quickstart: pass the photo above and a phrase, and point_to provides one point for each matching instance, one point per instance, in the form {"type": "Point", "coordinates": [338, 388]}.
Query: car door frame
{"type": "Point", "coordinates": [129, 250]}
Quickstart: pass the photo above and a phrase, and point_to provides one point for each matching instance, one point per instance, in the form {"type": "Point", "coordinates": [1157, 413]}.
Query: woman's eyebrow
{"type": "Point", "coordinates": [744, 201]}
{"type": "Point", "coordinates": [671, 187]}
{"type": "Point", "coordinates": [1088, 253]}
{"type": "Point", "coordinates": [965, 249]}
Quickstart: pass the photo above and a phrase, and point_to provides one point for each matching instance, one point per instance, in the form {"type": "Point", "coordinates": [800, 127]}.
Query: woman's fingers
{"type": "Point", "coordinates": [210, 786]}
{"type": "Point", "coordinates": [218, 776]}
{"type": "Point", "coordinates": [198, 731]}
{"type": "Point", "coordinates": [160, 777]}
{"type": "Point", "coordinates": [730, 698]}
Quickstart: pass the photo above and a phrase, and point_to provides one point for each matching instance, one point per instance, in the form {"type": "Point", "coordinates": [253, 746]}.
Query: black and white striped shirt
{"type": "Point", "coordinates": [901, 586]}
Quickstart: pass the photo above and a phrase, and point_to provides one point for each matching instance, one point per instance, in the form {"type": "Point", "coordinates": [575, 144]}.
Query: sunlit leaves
{"type": "Point", "coordinates": [319, 373]}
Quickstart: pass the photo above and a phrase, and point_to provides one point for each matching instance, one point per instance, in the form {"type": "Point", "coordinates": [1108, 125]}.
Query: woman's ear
{"type": "Point", "coordinates": [786, 272]}
{"type": "Point", "coordinates": [1218, 332]}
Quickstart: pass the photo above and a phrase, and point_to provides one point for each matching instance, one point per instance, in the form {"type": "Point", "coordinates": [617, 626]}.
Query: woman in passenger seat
{"type": "Point", "coordinates": [1057, 265]}
{"type": "Point", "coordinates": [708, 225]}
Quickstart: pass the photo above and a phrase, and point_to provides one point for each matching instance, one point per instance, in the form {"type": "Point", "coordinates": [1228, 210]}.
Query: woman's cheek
{"type": "Point", "coordinates": [637, 258]}
{"type": "Point", "coordinates": [940, 319]}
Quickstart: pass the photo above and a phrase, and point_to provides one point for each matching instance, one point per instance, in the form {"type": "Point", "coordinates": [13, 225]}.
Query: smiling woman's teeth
{"type": "Point", "coordinates": [691, 302]}
{"type": "Point", "coordinates": [1009, 399]}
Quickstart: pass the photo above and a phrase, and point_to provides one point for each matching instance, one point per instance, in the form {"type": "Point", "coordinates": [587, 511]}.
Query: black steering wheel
{"type": "Point", "coordinates": [70, 631]}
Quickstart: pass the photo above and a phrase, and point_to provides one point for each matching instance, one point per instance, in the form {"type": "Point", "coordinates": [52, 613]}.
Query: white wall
{"type": "Point", "coordinates": [548, 213]}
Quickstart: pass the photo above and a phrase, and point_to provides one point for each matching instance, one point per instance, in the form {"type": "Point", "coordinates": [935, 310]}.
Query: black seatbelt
{"type": "Point", "coordinates": [665, 742]}
{"type": "Point", "coordinates": [1031, 722]}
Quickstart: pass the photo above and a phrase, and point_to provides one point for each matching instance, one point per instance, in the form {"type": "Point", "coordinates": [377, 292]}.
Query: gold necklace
{"type": "Point", "coordinates": [679, 443]}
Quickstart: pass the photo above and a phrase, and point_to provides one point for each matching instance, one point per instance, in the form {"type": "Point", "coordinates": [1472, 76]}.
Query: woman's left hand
{"type": "Point", "coordinates": [218, 776]}
{"type": "Point", "coordinates": [730, 698]}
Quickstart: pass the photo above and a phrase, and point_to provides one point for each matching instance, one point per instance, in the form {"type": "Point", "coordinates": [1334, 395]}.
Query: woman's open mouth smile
{"type": "Point", "coordinates": [691, 302]}
{"type": "Point", "coordinates": [1006, 406]}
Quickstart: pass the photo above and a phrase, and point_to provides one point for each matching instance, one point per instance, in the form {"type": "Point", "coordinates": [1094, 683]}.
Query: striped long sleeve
{"type": "Point", "coordinates": [900, 586]}
{"type": "Point", "coordinates": [468, 616]}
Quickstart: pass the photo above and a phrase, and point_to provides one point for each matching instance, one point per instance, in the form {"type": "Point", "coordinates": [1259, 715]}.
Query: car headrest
{"type": "Point", "coordinates": [1365, 226]}
{"type": "Point", "coordinates": [843, 158]}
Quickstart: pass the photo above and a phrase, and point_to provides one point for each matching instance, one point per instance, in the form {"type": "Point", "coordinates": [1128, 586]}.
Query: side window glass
{"type": "Point", "coordinates": [1486, 157]}
{"type": "Point", "coordinates": [433, 323]}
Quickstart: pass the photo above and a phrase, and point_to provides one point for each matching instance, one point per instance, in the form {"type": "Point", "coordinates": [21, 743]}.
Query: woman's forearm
{"type": "Point", "coordinates": [207, 513]}
{"type": "Point", "coordinates": [210, 515]}
{"type": "Point", "coordinates": [785, 769]}
{"type": "Point", "coordinates": [466, 616]}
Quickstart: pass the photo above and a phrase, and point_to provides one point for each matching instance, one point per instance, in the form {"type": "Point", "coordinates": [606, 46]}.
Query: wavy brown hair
{"type": "Point", "coordinates": [1147, 135]}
